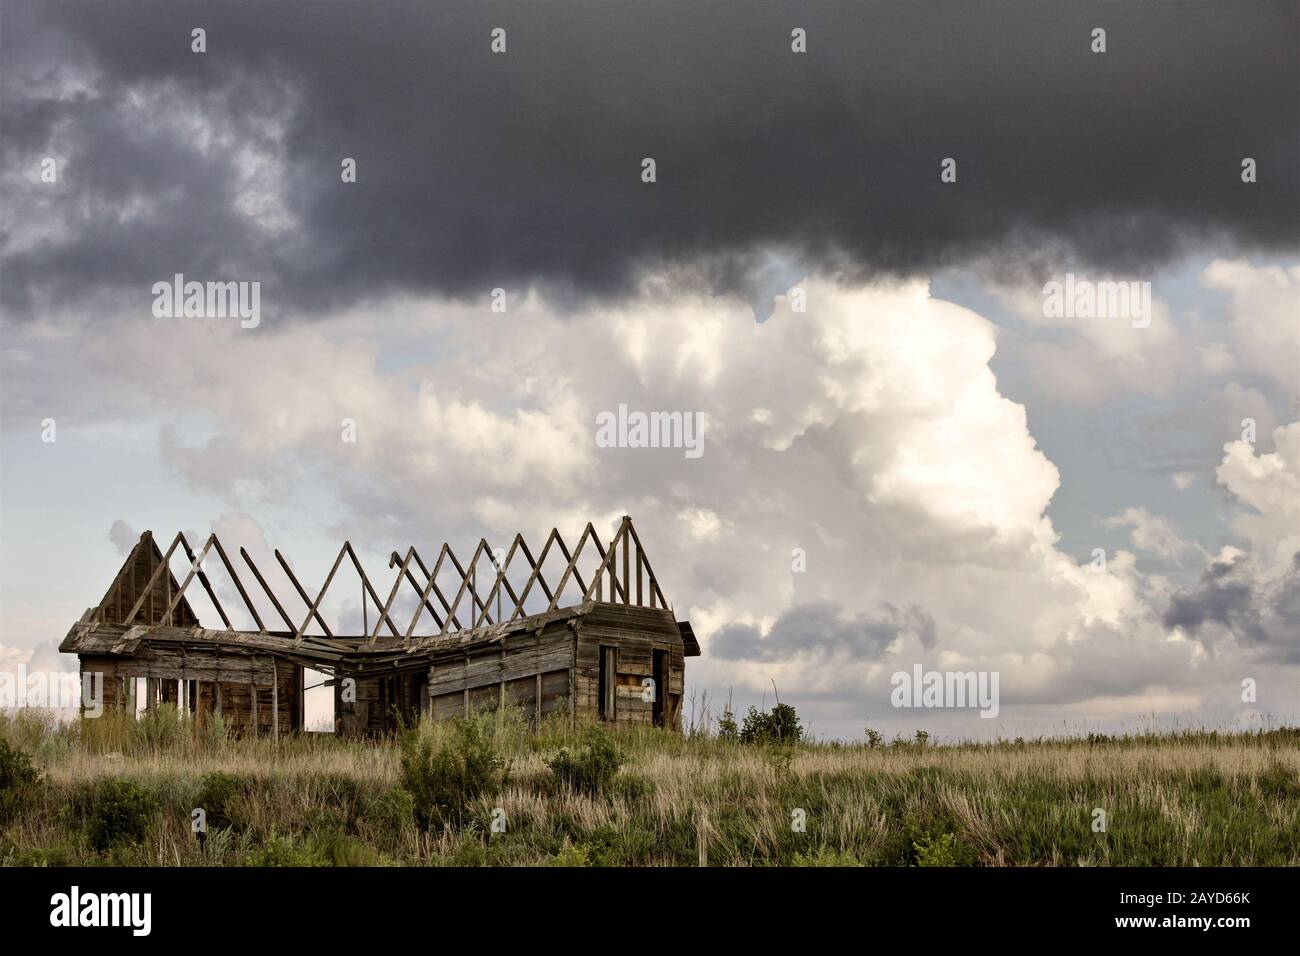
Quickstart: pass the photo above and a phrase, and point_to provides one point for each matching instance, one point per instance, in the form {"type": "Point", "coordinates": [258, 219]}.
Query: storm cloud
{"type": "Point", "coordinates": [479, 170]}
{"type": "Point", "coordinates": [1263, 614]}
{"type": "Point", "coordinates": [823, 628]}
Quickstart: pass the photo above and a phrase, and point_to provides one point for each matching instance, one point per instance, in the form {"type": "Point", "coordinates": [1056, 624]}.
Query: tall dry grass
{"type": "Point", "coordinates": [1188, 799]}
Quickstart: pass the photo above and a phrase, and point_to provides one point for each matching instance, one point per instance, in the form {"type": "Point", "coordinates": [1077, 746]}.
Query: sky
{"type": "Point", "coordinates": [841, 262]}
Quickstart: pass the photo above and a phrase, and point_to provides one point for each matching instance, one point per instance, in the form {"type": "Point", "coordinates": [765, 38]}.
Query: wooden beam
{"type": "Point", "coordinates": [394, 559]}
{"type": "Point", "coordinates": [572, 567]}
{"type": "Point", "coordinates": [128, 567]}
{"type": "Point", "coordinates": [149, 585]}
{"type": "Point", "coordinates": [302, 593]}
{"type": "Point", "coordinates": [536, 577]}
{"type": "Point", "coordinates": [275, 700]}
{"type": "Point", "coordinates": [239, 585]}
{"type": "Point", "coordinates": [654, 583]}
{"type": "Point", "coordinates": [627, 548]}
{"type": "Point", "coordinates": [265, 587]}
{"type": "Point", "coordinates": [392, 595]}
{"type": "Point", "coordinates": [432, 587]}
{"type": "Point", "coordinates": [464, 582]}
{"type": "Point", "coordinates": [196, 568]}
{"type": "Point", "coordinates": [297, 635]}
{"type": "Point", "coordinates": [356, 563]}
{"type": "Point", "coordinates": [503, 580]}
{"type": "Point", "coordinates": [607, 561]}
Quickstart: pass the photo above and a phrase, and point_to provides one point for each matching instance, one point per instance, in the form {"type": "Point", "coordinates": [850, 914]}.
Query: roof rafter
{"type": "Point", "coordinates": [622, 560]}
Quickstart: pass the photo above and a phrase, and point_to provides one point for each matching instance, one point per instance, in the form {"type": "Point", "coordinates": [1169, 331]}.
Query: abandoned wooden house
{"type": "Point", "coordinates": [602, 645]}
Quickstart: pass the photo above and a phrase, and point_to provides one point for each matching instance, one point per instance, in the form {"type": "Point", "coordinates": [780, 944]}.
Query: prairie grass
{"type": "Point", "coordinates": [1192, 798]}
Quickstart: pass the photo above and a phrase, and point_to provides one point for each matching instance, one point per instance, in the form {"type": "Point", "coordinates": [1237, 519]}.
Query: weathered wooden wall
{"type": "Point", "coordinates": [554, 667]}
{"type": "Point", "coordinates": [376, 700]}
{"type": "Point", "coordinates": [130, 583]}
{"type": "Point", "coordinates": [251, 692]}
{"type": "Point", "coordinates": [636, 633]}
{"type": "Point", "coordinates": [527, 670]}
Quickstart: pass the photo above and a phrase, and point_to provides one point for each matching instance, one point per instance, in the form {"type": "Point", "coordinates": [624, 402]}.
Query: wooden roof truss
{"type": "Point", "coordinates": [481, 591]}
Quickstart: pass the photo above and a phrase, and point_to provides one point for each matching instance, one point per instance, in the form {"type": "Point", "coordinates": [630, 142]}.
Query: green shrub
{"type": "Point", "coordinates": [122, 813]}
{"type": "Point", "coordinates": [780, 725]}
{"type": "Point", "coordinates": [219, 797]}
{"type": "Point", "coordinates": [160, 728]}
{"type": "Point", "coordinates": [18, 780]}
{"type": "Point", "coordinates": [728, 732]}
{"type": "Point", "coordinates": [571, 855]}
{"type": "Point", "coordinates": [334, 848]}
{"type": "Point", "coordinates": [591, 768]}
{"type": "Point", "coordinates": [1278, 783]}
{"type": "Point", "coordinates": [446, 772]}
{"type": "Point", "coordinates": [50, 856]}
{"type": "Point", "coordinates": [284, 851]}
{"type": "Point", "coordinates": [825, 857]}
{"type": "Point", "coordinates": [212, 732]}
{"type": "Point", "coordinates": [392, 812]}
{"type": "Point", "coordinates": [936, 850]}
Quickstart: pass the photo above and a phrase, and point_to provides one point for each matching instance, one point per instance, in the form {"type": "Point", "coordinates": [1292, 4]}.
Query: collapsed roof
{"type": "Point", "coordinates": [145, 602]}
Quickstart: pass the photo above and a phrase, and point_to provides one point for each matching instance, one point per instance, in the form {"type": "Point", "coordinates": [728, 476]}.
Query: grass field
{"type": "Point", "coordinates": [118, 791]}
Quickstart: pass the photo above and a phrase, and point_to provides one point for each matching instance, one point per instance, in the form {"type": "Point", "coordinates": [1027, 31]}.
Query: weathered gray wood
{"type": "Point", "coordinates": [293, 579]}
{"type": "Point", "coordinates": [149, 585]}
{"type": "Point", "coordinates": [265, 587]}
{"type": "Point", "coordinates": [196, 568]}
{"type": "Point", "coordinates": [365, 582]}
{"type": "Point", "coordinates": [424, 601]}
{"type": "Point", "coordinates": [275, 703]}
{"type": "Point", "coordinates": [506, 657]}
{"type": "Point", "coordinates": [329, 578]}
{"type": "Point", "coordinates": [239, 585]}
{"type": "Point", "coordinates": [431, 587]}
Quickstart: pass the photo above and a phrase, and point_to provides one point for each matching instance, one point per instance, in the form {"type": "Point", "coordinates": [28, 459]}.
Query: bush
{"type": "Point", "coordinates": [571, 855]}
{"type": "Point", "coordinates": [285, 851]}
{"type": "Point", "coordinates": [18, 779]}
{"type": "Point", "coordinates": [219, 795]}
{"type": "Point", "coordinates": [392, 812]}
{"type": "Point", "coordinates": [591, 768]}
{"type": "Point", "coordinates": [780, 725]}
{"type": "Point", "coordinates": [121, 815]}
{"type": "Point", "coordinates": [160, 728]}
{"type": "Point", "coordinates": [212, 732]}
{"type": "Point", "coordinates": [936, 850]}
{"type": "Point", "coordinates": [824, 857]}
{"type": "Point", "coordinates": [445, 773]}
{"type": "Point", "coordinates": [728, 732]}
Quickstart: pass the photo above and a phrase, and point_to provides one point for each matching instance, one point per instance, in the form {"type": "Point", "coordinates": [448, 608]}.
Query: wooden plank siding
{"type": "Point", "coordinates": [214, 683]}
{"type": "Point", "coordinates": [559, 667]}
{"type": "Point", "coordinates": [637, 632]}
{"type": "Point", "coordinates": [548, 665]}
{"type": "Point", "coordinates": [527, 670]}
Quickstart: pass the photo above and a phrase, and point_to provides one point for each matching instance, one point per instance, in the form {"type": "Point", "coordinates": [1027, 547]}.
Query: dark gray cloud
{"type": "Point", "coordinates": [821, 628]}
{"type": "Point", "coordinates": [479, 170]}
{"type": "Point", "coordinates": [1253, 613]}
